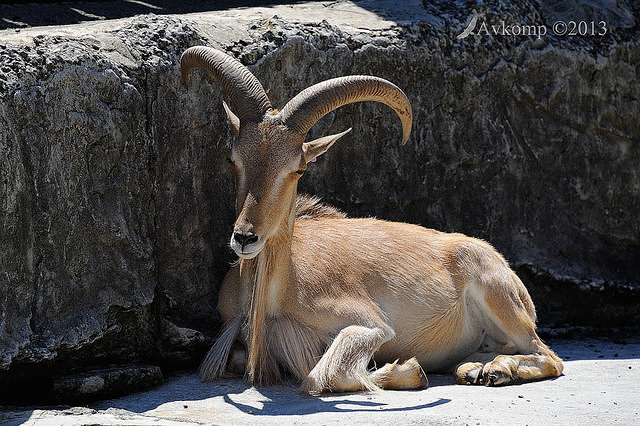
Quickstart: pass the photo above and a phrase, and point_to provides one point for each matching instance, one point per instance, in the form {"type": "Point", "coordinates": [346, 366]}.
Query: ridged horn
{"type": "Point", "coordinates": [313, 103]}
{"type": "Point", "coordinates": [246, 95]}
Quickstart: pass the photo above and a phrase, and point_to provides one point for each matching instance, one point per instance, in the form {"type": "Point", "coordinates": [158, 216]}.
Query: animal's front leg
{"type": "Point", "coordinates": [344, 364]}
{"type": "Point", "coordinates": [343, 367]}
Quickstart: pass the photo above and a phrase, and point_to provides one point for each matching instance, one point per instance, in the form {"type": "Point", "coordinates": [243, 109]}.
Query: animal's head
{"type": "Point", "coordinates": [269, 154]}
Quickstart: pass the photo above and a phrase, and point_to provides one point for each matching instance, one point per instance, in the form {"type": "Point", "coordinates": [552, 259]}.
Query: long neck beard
{"type": "Point", "coordinates": [262, 367]}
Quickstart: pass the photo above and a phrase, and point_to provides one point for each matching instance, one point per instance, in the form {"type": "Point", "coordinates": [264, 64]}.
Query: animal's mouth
{"type": "Point", "coordinates": [247, 251]}
{"type": "Point", "coordinates": [248, 255]}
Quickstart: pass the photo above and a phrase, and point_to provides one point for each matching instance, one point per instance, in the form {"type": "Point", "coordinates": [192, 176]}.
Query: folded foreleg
{"type": "Point", "coordinates": [343, 367]}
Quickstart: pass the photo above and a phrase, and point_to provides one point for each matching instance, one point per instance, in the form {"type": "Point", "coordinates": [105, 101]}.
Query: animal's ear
{"type": "Point", "coordinates": [234, 121]}
{"type": "Point", "coordinates": [317, 147]}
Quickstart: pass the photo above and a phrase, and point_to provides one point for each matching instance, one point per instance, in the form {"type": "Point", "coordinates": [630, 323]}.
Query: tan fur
{"type": "Point", "coordinates": [317, 295]}
{"type": "Point", "coordinates": [308, 207]}
{"type": "Point", "coordinates": [298, 346]}
{"type": "Point", "coordinates": [347, 299]}
{"type": "Point", "coordinates": [408, 375]}
{"type": "Point", "coordinates": [261, 366]}
{"type": "Point", "coordinates": [344, 360]}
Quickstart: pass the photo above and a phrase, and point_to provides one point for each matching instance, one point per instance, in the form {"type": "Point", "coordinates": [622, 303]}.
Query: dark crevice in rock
{"type": "Point", "coordinates": [564, 302]}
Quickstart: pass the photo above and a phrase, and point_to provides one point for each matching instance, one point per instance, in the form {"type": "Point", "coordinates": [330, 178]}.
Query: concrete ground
{"type": "Point", "coordinates": [600, 385]}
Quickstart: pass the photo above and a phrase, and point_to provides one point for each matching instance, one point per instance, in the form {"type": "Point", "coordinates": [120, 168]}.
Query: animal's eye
{"type": "Point", "coordinates": [300, 172]}
{"type": "Point", "coordinates": [229, 160]}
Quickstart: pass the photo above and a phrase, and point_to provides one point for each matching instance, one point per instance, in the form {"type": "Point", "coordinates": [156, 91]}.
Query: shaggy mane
{"type": "Point", "coordinates": [310, 207]}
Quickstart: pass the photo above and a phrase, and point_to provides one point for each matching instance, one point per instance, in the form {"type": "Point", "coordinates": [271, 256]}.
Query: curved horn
{"type": "Point", "coordinates": [246, 95]}
{"type": "Point", "coordinates": [315, 102]}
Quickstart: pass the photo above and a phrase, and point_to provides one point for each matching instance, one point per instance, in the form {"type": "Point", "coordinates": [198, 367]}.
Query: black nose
{"type": "Point", "coordinates": [245, 238]}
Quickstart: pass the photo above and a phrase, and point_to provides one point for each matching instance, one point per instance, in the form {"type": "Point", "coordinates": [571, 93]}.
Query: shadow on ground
{"type": "Point", "coordinates": [284, 400]}
{"type": "Point", "coordinates": [42, 13]}
{"type": "Point", "coordinates": [46, 12]}
{"type": "Point", "coordinates": [283, 406]}
{"type": "Point", "coordinates": [580, 396]}
{"type": "Point", "coordinates": [275, 400]}
{"type": "Point", "coordinates": [589, 349]}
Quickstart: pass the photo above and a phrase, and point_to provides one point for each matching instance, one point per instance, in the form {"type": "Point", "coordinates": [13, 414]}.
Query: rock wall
{"type": "Point", "coordinates": [117, 203]}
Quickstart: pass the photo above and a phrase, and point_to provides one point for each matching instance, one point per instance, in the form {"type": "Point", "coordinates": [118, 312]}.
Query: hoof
{"type": "Point", "coordinates": [310, 386]}
{"type": "Point", "coordinates": [501, 371]}
{"type": "Point", "coordinates": [497, 378]}
{"type": "Point", "coordinates": [470, 373]}
{"type": "Point", "coordinates": [417, 379]}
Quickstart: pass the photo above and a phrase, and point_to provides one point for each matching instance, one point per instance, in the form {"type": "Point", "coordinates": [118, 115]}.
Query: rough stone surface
{"type": "Point", "coordinates": [116, 202]}
{"type": "Point", "coordinates": [105, 383]}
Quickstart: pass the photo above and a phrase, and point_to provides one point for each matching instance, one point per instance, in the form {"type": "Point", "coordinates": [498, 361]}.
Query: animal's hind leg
{"type": "Point", "coordinates": [539, 363]}
{"type": "Point", "coordinates": [469, 371]}
{"type": "Point", "coordinates": [508, 307]}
